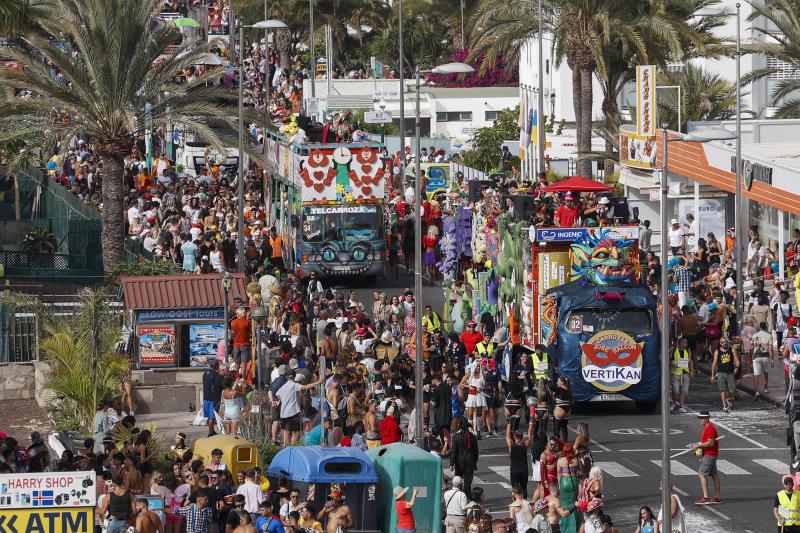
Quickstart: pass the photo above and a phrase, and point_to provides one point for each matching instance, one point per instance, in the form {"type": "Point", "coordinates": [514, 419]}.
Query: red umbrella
{"type": "Point", "coordinates": [578, 184]}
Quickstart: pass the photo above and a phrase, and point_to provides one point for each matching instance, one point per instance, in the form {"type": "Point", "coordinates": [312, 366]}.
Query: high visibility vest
{"type": "Point", "coordinates": [276, 244]}
{"type": "Point", "coordinates": [789, 508]}
{"type": "Point", "coordinates": [432, 323]}
{"type": "Point", "coordinates": [678, 356]}
{"type": "Point", "coordinates": [484, 349]}
{"type": "Point", "coordinates": [540, 366]}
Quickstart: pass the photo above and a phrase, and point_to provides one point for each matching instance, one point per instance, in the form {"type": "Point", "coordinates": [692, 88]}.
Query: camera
{"type": "Point", "coordinates": [88, 482]}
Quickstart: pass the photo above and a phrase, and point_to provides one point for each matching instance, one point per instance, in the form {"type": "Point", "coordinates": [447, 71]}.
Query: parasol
{"type": "Point", "coordinates": [578, 184]}
{"type": "Point", "coordinates": [184, 22]}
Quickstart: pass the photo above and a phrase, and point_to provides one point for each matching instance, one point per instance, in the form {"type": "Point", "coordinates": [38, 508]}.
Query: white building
{"type": "Point", "coordinates": [444, 112]}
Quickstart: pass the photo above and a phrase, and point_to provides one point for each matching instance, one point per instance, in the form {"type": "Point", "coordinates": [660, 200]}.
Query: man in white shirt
{"type": "Point", "coordinates": [693, 228]}
{"type": "Point", "coordinates": [291, 415]}
{"type": "Point", "coordinates": [133, 214]}
{"type": "Point", "coordinates": [763, 355]}
{"type": "Point", "coordinates": [253, 495]}
{"type": "Point", "coordinates": [291, 505]}
{"type": "Point", "coordinates": [456, 502]}
{"type": "Point", "coordinates": [677, 237]}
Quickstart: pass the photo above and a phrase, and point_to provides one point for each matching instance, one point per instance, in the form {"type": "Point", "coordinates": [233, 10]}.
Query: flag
{"type": "Point", "coordinates": [42, 498]}
{"type": "Point", "coordinates": [535, 128]}
{"type": "Point", "coordinates": [523, 114]}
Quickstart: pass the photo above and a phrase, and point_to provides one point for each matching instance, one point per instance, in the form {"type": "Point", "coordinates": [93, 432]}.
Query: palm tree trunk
{"type": "Point", "coordinates": [283, 41]}
{"type": "Point", "coordinates": [113, 236]}
{"type": "Point", "coordinates": [576, 98]}
{"type": "Point", "coordinates": [611, 114]}
{"type": "Point", "coordinates": [584, 167]}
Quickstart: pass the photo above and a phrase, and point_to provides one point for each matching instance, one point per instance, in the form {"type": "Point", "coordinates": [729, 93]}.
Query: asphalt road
{"type": "Point", "coordinates": [627, 446]}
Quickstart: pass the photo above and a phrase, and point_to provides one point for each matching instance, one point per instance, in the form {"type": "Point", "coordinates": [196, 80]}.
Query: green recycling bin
{"type": "Point", "coordinates": [404, 465]}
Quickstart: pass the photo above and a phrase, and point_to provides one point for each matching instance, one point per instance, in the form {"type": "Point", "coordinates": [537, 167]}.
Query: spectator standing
{"type": "Point", "coordinates": [404, 509]}
{"type": "Point", "coordinates": [762, 356]}
{"type": "Point", "coordinates": [253, 495]}
{"type": "Point", "coordinates": [455, 507]}
{"type": "Point", "coordinates": [645, 236]}
{"type": "Point", "coordinates": [677, 237]}
{"type": "Point", "coordinates": [213, 385]}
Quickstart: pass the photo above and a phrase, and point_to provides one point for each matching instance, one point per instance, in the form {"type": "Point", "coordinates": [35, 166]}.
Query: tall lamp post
{"type": "Point", "coordinates": [402, 71]}
{"type": "Point", "coordinates": [261, 25]}
{"type": "Point", "coordinates": [701, 137]}
{"type": "Point", "coordinates": [448, 68]}
{"type": "Point", "coordinates": [268, 25]}
{"type": "Point", "coordinates": [226, 287]}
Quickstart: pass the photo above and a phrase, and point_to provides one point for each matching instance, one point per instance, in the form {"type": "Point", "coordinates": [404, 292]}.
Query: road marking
{"type": "Point", "coordinates": [676, 468]}
{"type": "Point", "coordinates": [775, 465]}
{"type": "Point", "coordinates": [682, 449]}
{"type": "Point", "coordinates": [503, 471]}
{"type": "Point", "coordinates": [614, 469]}
{"type": "Point", "coordinates": [594, 442]}
{"type": "Point", "coordinates": [706, 507]}
{"type": "Point", "coordinates": [477, 481]}
{"type": "Point", "coordinates": [727, 467]}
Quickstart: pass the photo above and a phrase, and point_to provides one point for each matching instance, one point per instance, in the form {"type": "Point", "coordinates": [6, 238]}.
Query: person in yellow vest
{"type": "Point", "coordinates": [787, 507]}
{"type": "Point", "coordinates": [796, 272]}
{"type": "Point", "coordinates": [276, 243]}
{"type": "Point", "coordinates": [681, 367]}
{"type": "Point", "coordinates": [431, 321]}
{"type": "Point", "coordinates": [541, 364]}
{"type": "Point", "coordinates": [486, 347]}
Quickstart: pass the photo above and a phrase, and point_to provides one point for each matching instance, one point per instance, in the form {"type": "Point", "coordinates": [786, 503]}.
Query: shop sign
{"type": "Point", "coordinates": [646, 100]}
{"type": "Point", "coordinates": [47, 489]}
{"type": "Point", "coordinates": [203, 341]}
{"type": "Point", "coordinates": [167, 315]}
{"type": "Point", "coordinates": [80, 520]}
{"type": "Point", "coordinates": [156, 345]}
{"type": "Point", "coordinates": [637, 151]}
{"type": "Point", "coordinates": [612, 361]}
{"type": "Point", "coordinates": [753, 172]}
{"type": "Point", "coordinates": [574, 234]}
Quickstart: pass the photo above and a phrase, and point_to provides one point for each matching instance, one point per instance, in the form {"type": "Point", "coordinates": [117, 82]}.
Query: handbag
{"type": "Point", "coordinates": [712, 331]}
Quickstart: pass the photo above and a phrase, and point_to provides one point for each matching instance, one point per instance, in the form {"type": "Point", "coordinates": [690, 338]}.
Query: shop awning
{"type": "Point", "coordinates": [179, 292]}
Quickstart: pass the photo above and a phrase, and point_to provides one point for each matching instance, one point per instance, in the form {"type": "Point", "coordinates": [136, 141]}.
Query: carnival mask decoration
{"type": "Point", "coordinates": [602, 258]}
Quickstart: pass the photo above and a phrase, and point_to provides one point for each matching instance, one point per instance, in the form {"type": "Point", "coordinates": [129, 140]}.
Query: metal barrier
{"type": "Point", "coordinates": [469, 172]}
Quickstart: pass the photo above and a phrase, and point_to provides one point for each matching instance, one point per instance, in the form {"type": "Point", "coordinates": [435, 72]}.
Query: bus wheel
{"type": "Point", "coordinates": [646, 408]}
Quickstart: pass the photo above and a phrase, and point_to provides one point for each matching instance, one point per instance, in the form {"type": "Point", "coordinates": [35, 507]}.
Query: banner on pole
{"type": "Point", "coordinates": [646, 100]}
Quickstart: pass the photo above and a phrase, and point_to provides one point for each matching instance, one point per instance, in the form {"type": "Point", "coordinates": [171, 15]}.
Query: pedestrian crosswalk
{"type": "Point", "coordinates": [685, 466]}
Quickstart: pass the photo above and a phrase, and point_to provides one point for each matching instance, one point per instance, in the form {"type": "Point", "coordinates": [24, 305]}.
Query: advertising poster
{"type": "Point", "coordinates": [646, 100]}
{"type": "Point", "coordinates": [612, 361]}
{"type": "Point", "coordinates": [554, 269]}
{"type": "Point", "coordinates": [203, 341]}
{"type": "Point", "coordinates": [637, 151]}
{"type": "Point", "coordinates": [710, 216]}
{"type": "Point", "coordinates": [47, 490]}
{"type": "Point", "coordinates": [34, 520]}
{"type": "Point", "coordinates": [157, 345]}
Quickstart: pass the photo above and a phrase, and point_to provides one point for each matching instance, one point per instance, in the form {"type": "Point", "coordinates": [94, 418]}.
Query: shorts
{"type": "Point", "coordinates": [275, 412]}
{"type": "Point", "coordinates": [208, 410]}
{"type": "Point", "coordinates": [492, 401]}
{"type": "Point", "coordinates": [241, 354]}
{"type": "Point", "coordinates": [708, 466]}
{"type": "Point", "coordinates": [691, 341]}
{"type": "Point", "coordinates": [680, 384]}
{"type": "Point", "coordinates": [760, 365]}
{"type": "Point", "coordinates": [726, 382]}
{"type": "Point", "coordinates": [292, 423]}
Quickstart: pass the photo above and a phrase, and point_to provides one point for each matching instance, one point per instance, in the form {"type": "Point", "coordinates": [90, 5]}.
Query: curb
{"type": "Point", "coordinates": [746, 389]}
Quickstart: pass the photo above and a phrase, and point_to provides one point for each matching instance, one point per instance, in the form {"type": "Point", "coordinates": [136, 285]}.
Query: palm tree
{"type": "Point", "coordinates": [603, 38]}
{"type": "Point", "coordinates": [783, 44]}
{"type": "Point", "coordinates": [81, 351]}
{"type": "Point", "coordinates": [706, 96]}
{"type": "Point", "coordinates": [17, 16]}
{"type": "Point", "coordinates": [121, 66]}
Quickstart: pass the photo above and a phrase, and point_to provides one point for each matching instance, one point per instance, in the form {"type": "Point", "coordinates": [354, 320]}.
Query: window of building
{"type": "Point", "coordinates": [454, 116]}
{"type": "Point", "coordinates": [491, 115]}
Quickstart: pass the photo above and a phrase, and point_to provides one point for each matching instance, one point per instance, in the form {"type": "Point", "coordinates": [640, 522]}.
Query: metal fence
{"type": "Point", "coordinates": [469, 172]}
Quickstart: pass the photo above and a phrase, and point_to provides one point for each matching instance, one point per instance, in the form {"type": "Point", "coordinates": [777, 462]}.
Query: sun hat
{"type": "Point", "coordinates": [674, 221]}
{"type": "Point", "coordinates": [703, 414]}
{"type": "Point", "coordinates": [293, 364]}
{"type": "Point", "coordinates": [541, 504]}
{"type": "Point", "coordinates": [604, 200]}
{"type": "Point", "coordinates": [471, 324]}
{"type": "Point", "coordinates": [386, 337]}
{"type": "Point", "coordinates": [595, 503]}
{"type": "Point", "coordinates": [282, 370]}
{"type": "Point", "coordinates": [568, 196]}
{"type": "Point", "coordinates": [399, 492]}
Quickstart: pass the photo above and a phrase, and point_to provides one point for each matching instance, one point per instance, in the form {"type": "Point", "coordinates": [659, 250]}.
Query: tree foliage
{"type": "Point", "coordinates": [498, 76]}
{"type": "Point", "coordinates": [487, 142]}
{"type": "Point", "coordinates": [706, 96]}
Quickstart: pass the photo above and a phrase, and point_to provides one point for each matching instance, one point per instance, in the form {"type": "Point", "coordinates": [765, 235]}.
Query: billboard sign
{"type": "Point", "coordinates": [47, 490]}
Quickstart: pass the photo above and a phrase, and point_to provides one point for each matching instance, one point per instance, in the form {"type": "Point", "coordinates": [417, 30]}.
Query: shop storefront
{"type": "Point", "coordinates": [178, 320]}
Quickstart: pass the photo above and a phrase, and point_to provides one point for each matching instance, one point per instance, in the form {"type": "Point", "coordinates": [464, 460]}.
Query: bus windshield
{"type": "Point", "coordinates": [593, 320]}
{"type": "Point", "coordinates": [342, 223]}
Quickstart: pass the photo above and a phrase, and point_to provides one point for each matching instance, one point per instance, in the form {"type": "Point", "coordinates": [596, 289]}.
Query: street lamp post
{"type": "Point", "coordinates": [448, 68]}
{"type": "Point", "coordinates": [311, 45]}
{"type": "Point", "coordinates": [265, 25]}
{"type": "Point", "coordinates": [540, 99]}
{"type": "Point", "coordinates": [382, 106]}
{"type": "Point", "coordinates": [226, 287]}
{"type": "Point", "coordinates": [703, 136]}
{"type": "Point", "coordinates": [402, 88]}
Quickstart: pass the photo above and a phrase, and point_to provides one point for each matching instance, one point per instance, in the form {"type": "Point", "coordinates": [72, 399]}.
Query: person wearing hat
{"type": "Point", "coordinates": [455, 507]}
{"type": "Point", "coordinates": [677, 237]}
{"type": "Point", "coordinates": [404, 509]}
{"type": "Point", "coordinates": [709, 451]}
{"type": "Point", "coordinates": [338, 515]}
{"type": "Point", "coordinates": [568, 215]}
{"type": "Point", "coordinates": [786, 508]}
{"type": "Point", "coordinates": [471, 337]}
{"type": "Point", "coordinates": [464, 453]}
{"type": "Point", "coordinates": [594, 519]}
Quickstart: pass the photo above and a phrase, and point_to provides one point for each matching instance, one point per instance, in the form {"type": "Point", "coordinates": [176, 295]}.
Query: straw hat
{"type": "Point", "coordinates": [399, 492]}
{"type": "Point", "coordinates": [595, 503]}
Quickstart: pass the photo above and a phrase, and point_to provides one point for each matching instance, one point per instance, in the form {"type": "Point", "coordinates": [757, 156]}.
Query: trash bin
{"type": "Point", "coordinates": [404, 465]}
{"type": "Point", "coordinates": [315, 469]}
{"type": "Point", "coordinates": [238, 453]}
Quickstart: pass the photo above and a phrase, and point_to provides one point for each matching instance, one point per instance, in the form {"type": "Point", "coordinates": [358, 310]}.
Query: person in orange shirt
{"type": "Point", "coordinates": [730, 240]}
{"type": "Point", "coordinates": [240, 330]}
{"type": "Point", "coordinates": [276, 243]}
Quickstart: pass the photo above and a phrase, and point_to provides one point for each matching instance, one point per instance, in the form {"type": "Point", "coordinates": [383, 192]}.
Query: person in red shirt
{"type": "Point", "coordinates": [405, 514]}
{"type": "Point", "coordinates": [390, 428]}
{"type": "Point", "coordinates": [471, 338]}
{"type": "Point", "coordinates": [709, 444]}
{"type": "Point", "coordinates": [568, 214]}
{"type": "Point", "coordinates": [240, 329]}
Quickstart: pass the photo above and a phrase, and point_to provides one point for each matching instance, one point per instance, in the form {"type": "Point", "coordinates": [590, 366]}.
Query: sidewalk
{"type": "Point", "coordinates": [168, 424]}
{"type": "Point", "coordinates": [777, 385]}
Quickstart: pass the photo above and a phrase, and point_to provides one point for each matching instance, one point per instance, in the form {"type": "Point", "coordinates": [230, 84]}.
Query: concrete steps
{"type": "Point", "coordinates": [161, 392]}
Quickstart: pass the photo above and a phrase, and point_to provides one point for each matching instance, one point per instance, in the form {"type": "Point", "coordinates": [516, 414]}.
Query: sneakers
{"type": "Point", "coordinates": [704, 501]}
{"type": "Point", "coordinates": [730, 405]}
{"type": "Point", "coordinates": [766, 390]}
{"type": "Point", "coordinates": [714, 501]}
{"type": "Point", "coordinates": [682, 409]}
{"type": "Point", "coordinates": [757, 396]}
{"type": "Point", "coordinates": [726, 410]}
{"type": "Point", "coordinates": [796, 464]}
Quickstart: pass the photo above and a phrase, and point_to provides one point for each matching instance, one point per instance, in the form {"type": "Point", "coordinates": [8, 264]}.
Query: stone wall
{"type": "Point", "coordinates": [17, 381]}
